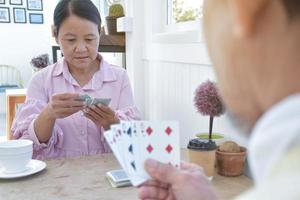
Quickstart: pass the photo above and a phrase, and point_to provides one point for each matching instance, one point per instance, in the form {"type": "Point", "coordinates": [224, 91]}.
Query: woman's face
{"type": "Point", "coordinates": [79, 40]}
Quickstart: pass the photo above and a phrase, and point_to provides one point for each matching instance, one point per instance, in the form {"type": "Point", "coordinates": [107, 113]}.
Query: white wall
{"type": "Point", "coordinates": [20, 42]}
{"type": "Point", "coordinates": [165, 74]}
{"type": "Point", "coordinates": [169, 95]}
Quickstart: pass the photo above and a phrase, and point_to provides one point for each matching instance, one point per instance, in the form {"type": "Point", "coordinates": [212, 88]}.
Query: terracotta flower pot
{"type": "Point", "coordinates": [231, 164]}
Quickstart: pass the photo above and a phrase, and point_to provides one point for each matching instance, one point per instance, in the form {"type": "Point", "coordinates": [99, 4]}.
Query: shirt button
{"type": "Point", "coordinates": [82, 133]}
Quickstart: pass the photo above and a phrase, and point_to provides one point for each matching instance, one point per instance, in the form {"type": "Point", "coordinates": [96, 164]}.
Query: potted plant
{"type": "Point", "coordinates": [202, 150]}
{"type": "Point", "coordinates": [40, 62]}
{"type": "Point", "coordinates": [230, 159]}
{"type": "Point", "coordinates": [216, 137]}
{"type": "Point", "coordinates": [115, 11]}
{"type": "Point", "coordinates": [209, 103]}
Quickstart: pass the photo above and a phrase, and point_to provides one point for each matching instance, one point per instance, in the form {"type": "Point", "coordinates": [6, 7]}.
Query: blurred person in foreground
{"type": "Point", "coordinates": [255, 48]}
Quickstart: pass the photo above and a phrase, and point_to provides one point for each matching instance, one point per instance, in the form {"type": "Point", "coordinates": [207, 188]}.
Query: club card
{"type": "Point", "coordinates": [129, 153]}
{"type": "Point", "coordinates": [112, 142]}
{"type": "Point", "coordinates": [116, 133]}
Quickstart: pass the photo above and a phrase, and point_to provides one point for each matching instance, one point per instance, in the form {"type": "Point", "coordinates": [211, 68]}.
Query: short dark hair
{"type": "Point", "coordinates": [81, 8]}
{"type": "Point", "coordinates": [292, 7]}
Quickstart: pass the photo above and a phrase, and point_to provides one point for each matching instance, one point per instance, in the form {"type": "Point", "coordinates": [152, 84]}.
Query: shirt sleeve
{"type": "Point", "coordinates": [127, 109]}
{"type": "Point", "coordinates": [23, 124]}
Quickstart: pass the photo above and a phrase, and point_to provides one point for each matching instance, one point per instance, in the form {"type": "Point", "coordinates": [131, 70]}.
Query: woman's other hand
{"type": "Point", "coordinates": [101, 115]}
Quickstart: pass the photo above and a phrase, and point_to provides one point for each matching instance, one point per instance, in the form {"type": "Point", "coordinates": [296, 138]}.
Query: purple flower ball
{"type": "Point", "coordinates": [40, 61]}
{"type": "Point", "coordinates": [208, 101]}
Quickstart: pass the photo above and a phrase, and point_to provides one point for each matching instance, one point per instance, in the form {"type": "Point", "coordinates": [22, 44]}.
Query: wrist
{"type": "Point", "coordinates": [48, 114]}
{"type": "Point", "coordinates": [116, 119]}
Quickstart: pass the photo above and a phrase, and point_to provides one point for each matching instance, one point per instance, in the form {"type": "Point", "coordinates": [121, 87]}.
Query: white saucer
{"type": "Point", "coordinates": [34, 166]}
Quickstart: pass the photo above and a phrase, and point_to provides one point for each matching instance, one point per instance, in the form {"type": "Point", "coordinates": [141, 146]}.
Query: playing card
{"type": "Point", "coordinates": [111, 140]}
{"type": "Point", "coordinates": [159, 141]}
{"type": "Point", "coordinates": [118, 178]}
{"type": "Point", "coordinates": [116, 133]}
{"type": "Point", "coordinates": [102, 101]}
{"type": "Point", "coordinates": [82, 97]}
{"type": "Point", "coordinates": [128, 151]}
{"type": "Point", "coordinates": [89, 101]}
{"type": "Point", "coordinates": [135, 141]}
{"type": "Point", "coordinates": [136, 147]}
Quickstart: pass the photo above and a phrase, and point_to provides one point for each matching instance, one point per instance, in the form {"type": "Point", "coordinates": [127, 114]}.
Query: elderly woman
{"type": "Point", "coordinates": [52, 117]}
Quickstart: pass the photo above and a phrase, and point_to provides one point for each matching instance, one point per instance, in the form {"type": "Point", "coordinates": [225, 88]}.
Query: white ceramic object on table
{"type": "Point", "coordinates": [15, 155]}
{"type": "Point", "coordinates": [33, 167]}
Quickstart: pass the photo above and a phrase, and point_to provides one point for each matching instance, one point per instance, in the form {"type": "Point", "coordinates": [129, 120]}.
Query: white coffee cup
{"type": "Point", "coordinates": [15, 155]}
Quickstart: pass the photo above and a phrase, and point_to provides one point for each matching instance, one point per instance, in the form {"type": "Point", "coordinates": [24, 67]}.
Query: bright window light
{"type": "Point", "coordinates": [184, 10]}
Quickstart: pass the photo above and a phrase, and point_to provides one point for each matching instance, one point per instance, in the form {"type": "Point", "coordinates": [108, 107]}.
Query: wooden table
{"type": "Point", "coordinates": [84, 178]}
{"type": "Point", "coordinates": [13, 97]}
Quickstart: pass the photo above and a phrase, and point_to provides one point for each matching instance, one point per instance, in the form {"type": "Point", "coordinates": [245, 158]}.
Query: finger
{"type": "Point", "coordinates": [90, 117]}
{"type": "Point", "coordinates": [106, 109]}
{"type": "Point", "coordinates": [98, 111]}
{"type": "Point", "coordinates": [151, 192]}
{"type": "Point", "coordinates": [68, 111]}
{"type": "Point", "coordinates": [65, 96]}
{"type": "Point", "coordinates": [97, 115]}
{"type": "Point", "coordinates": [151, 199]}
{"type": "Point", "coordinates": [170, 195]}
{"type": "Point", "coordinates": [74, 103]}
{"type": "Point", "coordinates": [156, 183]}
{"type": "Point", "coordinates": [162, 172]}
{"type": "Point", "coordinates": [68, 104]}
{"type": "Point", "coordinates": [189, 166]}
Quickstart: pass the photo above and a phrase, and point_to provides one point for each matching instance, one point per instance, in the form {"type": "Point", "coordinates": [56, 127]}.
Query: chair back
{"type": "Point", "coordinates": [10, 77]}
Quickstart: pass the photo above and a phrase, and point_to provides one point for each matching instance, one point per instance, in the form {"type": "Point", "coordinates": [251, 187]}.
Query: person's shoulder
{"type": "Point", "coordinates": [47, 71]}
{"type": "Point", "coordinates": [116, 69]}
{"type": "Point", "coordinates": [290, 161]}
{"type": "Point", "coordinates": [115, 72]}
{"type": "Point", "coordinates": [282, 181]}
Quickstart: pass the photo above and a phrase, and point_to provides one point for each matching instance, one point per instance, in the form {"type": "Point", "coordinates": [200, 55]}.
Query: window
{"type": "Point", "coordinates": [103, 9]}
{"type": "Point", "coordinates": [184, 10]}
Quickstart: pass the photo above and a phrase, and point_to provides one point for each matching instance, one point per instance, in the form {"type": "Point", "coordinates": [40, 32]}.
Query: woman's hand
{"type": "Point", "coordinates": [59, 106]}
{"type": "Point", "coordinates": [101, 115]}
{"type": "Point", "coordinates": [64, 105]}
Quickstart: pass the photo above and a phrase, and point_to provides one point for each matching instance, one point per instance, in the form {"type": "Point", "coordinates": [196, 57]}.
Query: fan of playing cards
{"type": "Point", "coordinates": [89, 101]}
{"type": "Point", "coordinates": [133, 142]}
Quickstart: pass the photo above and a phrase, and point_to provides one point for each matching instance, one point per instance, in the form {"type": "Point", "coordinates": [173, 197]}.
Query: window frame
{"type": "Point", "coordinates": [183, 32]}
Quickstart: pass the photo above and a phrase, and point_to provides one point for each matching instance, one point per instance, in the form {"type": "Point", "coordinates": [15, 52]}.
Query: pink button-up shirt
{"type": "Point", "coordinates": [75, 135]}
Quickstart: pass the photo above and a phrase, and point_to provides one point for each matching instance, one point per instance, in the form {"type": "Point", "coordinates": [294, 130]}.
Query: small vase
{"type": "Point", "coordinates": [231, 164]}
{"type": "Point", "coordinates": [203, 153]}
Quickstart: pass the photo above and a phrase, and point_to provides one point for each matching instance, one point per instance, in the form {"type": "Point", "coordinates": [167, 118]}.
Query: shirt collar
{"type": "Point", "coordinates": [58, 68]}
{"type": "Point", "coordinates": [104, 74]}
{"type": "Point", "coordinates": [275, 133]}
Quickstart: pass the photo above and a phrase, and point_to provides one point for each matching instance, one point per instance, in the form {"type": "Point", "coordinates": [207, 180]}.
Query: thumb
{"type": "Point", "coordinates": [165, 173]}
